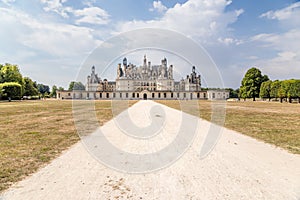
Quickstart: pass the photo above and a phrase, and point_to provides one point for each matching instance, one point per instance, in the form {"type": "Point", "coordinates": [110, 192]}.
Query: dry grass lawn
{"type": "Point", "coordinates": [34, 132]}
{"type": "Point", "coordinates": [272, 122]}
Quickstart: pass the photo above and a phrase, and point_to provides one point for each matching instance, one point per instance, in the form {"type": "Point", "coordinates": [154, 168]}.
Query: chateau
{"type": "Point", "coordinates": [144, 82]}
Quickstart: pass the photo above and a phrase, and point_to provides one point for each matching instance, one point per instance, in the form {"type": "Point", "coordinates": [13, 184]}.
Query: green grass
{"type": "Point", "coordinates": [272, 122]}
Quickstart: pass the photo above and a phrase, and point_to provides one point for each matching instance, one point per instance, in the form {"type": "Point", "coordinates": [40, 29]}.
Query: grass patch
{"type": "Point", "coordinates": [272, 122]}
{"type": "Point", "coordinates": [32, 133]}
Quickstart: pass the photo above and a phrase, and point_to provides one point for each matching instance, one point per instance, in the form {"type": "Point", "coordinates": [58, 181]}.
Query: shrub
{"type": "Point", "coordinates": [11, 90]}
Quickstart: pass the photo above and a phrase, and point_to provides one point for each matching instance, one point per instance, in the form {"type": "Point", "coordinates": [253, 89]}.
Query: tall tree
{"type": "Point", "coordinates": [29, 87]}
{"type": "Point", "coordinates": [251, 83]}
{"type": "Point", "coordinates": [43, 89]}
{"type": "Point", "coordinates": [265, 90]}
{"type": "Point", "coordinates": [53, 91]}
{"type": "Point", "coordinates": [274, 89]}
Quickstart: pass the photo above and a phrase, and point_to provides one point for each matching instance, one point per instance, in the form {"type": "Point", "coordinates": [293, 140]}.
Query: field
{"type": "Point", "coordinates": [32, 133]}
{"type": "Point", "coordinates": [272, 122]}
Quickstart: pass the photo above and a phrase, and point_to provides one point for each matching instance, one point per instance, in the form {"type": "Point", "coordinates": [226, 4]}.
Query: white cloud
{"type": "Point", "coordinates": [91, 15]}
{"type": "Point", "coordinates": [88, 15]}
{"type": "Point", "coordinates": [229, 41]}
{"type": "Point", "coordinates": [289, 16]}
{"type": "Point", "coordinates": [8, 2]}
{"type": "Point", "coordinates": [56, 39]}
{"type": "Point", "coordinates": [56, 6]}
{"type": "Point", "coordinates": [286, 62]}
{"type": "Point", "coordinates": [158, 6]}
{"type": "Point", "coordinates": [89, 3]}
{"type": "Point", "coordinates": [282, 14]}
{"type": "Point", "coordinates": [198, 19]}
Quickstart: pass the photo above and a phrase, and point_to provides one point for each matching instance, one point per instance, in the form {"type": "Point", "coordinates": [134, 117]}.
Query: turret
{"type": "Point", "coordinates": [125, 61]}
{"type": "Point", "coordinates": [145, 61]}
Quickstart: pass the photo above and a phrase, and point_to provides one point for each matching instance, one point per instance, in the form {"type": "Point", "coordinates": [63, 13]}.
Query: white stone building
{"type": "Point", "coordinates": [144, 82]}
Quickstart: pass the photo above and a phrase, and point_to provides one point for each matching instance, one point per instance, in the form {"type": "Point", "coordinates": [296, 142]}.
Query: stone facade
{"type": "Point", "coordinates": [143, 82]}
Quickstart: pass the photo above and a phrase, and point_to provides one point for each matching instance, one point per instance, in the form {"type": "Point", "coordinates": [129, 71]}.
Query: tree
{"type": "Point", "coordinates": [71, 85]}
{"type": "Point", "coordinates": [233, 93]}
{"type": "Point", "coordinates": [11, 73]}
{"type": "Point", "coordinates": [265, 90]}
{"type": "Point", "coordinates": [61, 89]}
{"type": "Point", "coordinates": [282, 90]}
{"type": "Point", "coordinates": [53, 91]}
{"type": "Point", "coordinates": [43, 89]}
{"type": "Point", "coordinates": [29, 87]}
{"type": "Point", "coordinates": [295, 89]}
{"type": "Point", "coordinates": [251, 83]}
{"type": "Point", "coordinates": [11, 90]}
{"type": "Point", "coordinates": [76, 86]}
{"type": "Point", "coordinates": [274, 89]}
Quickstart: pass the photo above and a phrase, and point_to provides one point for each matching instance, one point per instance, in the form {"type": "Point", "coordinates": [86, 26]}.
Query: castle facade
{"type": "Point", "coordinates": [146, 81]}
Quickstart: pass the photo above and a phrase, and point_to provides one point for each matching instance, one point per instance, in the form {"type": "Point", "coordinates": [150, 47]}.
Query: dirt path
{"type": "Point", "coordinates": [238, 168]}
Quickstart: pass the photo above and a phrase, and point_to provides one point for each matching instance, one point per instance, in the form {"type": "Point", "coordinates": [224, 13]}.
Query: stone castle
{"type": "Point", "coordinates": [144, 82]}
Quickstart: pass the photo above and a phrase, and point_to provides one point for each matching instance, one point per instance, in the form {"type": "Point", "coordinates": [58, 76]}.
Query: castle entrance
{"type": "Point", "coordinates": [145, 96]}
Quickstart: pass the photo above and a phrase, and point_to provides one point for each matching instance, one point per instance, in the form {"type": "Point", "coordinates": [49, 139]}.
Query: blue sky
{"type": "Point", "coordinates": [50, 39]}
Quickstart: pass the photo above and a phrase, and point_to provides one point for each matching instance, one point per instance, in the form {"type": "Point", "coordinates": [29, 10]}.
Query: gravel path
{"type": "Point", "coordinates": [239, 167]}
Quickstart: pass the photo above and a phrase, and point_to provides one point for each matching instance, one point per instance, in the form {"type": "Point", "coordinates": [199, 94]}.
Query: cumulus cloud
{"type": "Point", "coordinates": [57, 7]}
{"type": "Point", "coordinates": [198, 19]}
{"type": "Point", "coordinates": [158, 6]}
{"type": "Point", "coordinates": [91, 15]}
{"type": "Point", "coordinates": [62, 40]}
{"type": "Point", "coordinates": [88, 15]}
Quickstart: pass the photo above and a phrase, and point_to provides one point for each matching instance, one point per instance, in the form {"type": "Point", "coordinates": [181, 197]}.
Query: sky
{"type": "Point", "coordinates": [50, 40]}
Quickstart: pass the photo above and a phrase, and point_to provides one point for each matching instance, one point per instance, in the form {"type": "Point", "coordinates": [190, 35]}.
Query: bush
{"type": "Point", "coordinates": [11, 90]}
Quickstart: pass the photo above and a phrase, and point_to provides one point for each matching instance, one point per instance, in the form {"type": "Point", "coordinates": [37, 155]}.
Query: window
{"type": "Point", "coordinates": [120, 95]}
{"type": "Point", "coordinates": [198, 95]}
{"type": "Point", "coordinates": [69, 94]}
{"type": "Point", "coordinates": [184, 95]}
{"type": "Point", "coordinates": [88, 95]}
{"type": "Point", "coordinates": [172, 95]}
{"type": "Point", "coordinates": [107, 95]}
{"type": "Point", "coordinates": [153, 95]}
{"type": "Point", "coordinates": [126, 95]}
{"type": "Point", "coordinates": [100, 95]}
{"type": "Point", "coordinates": [158, 95]}
{"type": "Point", "coordinates": [213, 95]}
{"type": "Point", "coordinates": [133, 95]}
{"type": "Point", "coordinates": [204, 95]}
{"type": "Point", "coordinates": [138, 95]}
{"type": "Point", "coordinates": [177, 95]}
{"type": "Point", "coordinates": [114, 95]}
{"type": "Point", "coordinates": [165, 95]}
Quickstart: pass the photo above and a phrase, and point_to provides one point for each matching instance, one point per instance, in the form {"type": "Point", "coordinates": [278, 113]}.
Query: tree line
{"type": "Point", "coordinates": [14, 86]}
{"type": "Point", "coordinates": [255, 85]}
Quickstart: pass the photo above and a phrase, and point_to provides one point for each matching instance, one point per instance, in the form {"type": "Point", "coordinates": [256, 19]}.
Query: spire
{"type": "Point", "coordinates": [145, 60]}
